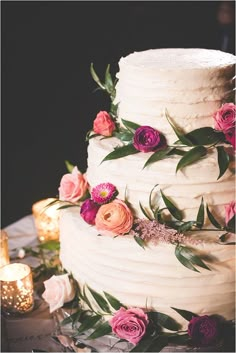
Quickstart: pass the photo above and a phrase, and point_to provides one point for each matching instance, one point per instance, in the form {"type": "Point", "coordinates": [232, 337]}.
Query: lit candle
{"type": "Point", "coordinates": [16, 288]}
{"type": "Point", "coordinates": [4, 255]}
{"type": "Point", "coordinates": [46, 220]}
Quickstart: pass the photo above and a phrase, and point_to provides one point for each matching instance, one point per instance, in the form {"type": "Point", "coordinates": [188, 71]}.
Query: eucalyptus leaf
{"type": "Point", "coordinates": [187, 315]}
{"type": "Point", "coordinates": [178, 133]}
{"type": "Point", "coordinates": [88, 323]}
{"type": "Point", "coordinates": [140, 242]}
{"type": "Point", "coordinates": [223, 160]}
{"type": "Point", "coordinates": [200, 215]}
{"type": "Point", "coordinates": [157, 156]}
{"type": "Point", "coordinates": [192, 156]}
{"type": "Point", "coordinates": [204, 136]}
{"type": "Point", "coordinates": [212, 218]}
{"type": "Point", "coordinates": [174, 211]}
{"type": "Point", "coordinates": [163, 320]}
{"type": "Point", "coordinates": [120, 152]}
{"type": "Point", "coordinates": [130, 125]}
{"type": "Point", "coordinates": [101, 330]}
{"type": "Point", "coordinates": [115, 303]}
{"type": "Point", "coordinates": [69, 166]}
{"type": "Point", "coordinates": [100, 300]}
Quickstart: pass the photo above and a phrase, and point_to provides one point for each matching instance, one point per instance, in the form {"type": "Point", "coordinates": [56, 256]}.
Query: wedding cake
{"type": "Point", "coordinates": [156, 229]}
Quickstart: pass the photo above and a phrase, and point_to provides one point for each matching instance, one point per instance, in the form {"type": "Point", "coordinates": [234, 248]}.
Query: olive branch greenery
{"type": "Point", "coordinates": [199, 141]}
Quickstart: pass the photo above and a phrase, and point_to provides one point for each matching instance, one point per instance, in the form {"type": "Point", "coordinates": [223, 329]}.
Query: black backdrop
{"type": "Point", "coordinates": [48, 103]}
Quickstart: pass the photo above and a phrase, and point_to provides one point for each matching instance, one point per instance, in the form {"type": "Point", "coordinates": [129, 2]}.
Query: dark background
{"type": "Point", "coordinates": [48, 103]}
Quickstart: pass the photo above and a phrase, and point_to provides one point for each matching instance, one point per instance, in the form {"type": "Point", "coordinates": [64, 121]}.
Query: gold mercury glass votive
{"type": "Point", "coordinates": [16, 288]}
{"type": "Point", "coordinates": [4, 254]}
{"type": "Point", "coordinates": [46, 220]}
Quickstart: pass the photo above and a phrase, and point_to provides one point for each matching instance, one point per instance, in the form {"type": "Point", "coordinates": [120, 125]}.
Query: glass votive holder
{"type": "Point", "coordinates": [46, 220]}
{"type": "Point", "coordinates": [17, 291]}
{"type": "Point", "coordinates": [4, 254]}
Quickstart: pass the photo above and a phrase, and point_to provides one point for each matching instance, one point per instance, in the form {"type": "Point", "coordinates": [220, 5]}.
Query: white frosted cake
{"type": "Point", "coordinates": [174, 91]}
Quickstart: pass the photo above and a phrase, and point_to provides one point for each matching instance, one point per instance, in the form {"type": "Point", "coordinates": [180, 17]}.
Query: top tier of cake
{"type": "Point", "coordinates": [191, 84]}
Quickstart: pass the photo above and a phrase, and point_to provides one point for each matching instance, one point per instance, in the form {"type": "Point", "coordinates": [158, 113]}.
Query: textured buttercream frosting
{"type": "Point", "coordinates": [191, 84]}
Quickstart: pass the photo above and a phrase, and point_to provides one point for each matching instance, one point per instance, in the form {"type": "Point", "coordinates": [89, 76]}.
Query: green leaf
{"type": "Point", "coordinates": [88, 323]}
{"type": "Point", "coordinates": [178, 133]}
{"type": "Point", "coordinates": [130, 125]}
{"type": "Point", "coordinates": [120, 152]}
{"type": "Point", "coordinates": [95, 77]}
{"type": "Point", "coordinates": [212, 218]}
{"type": "Point", "coordinates": [144, 212]}
{"type": "Point", "coordinates": [100, 300]}
{"type": "Point", "coordinates": [188, 254]}
{"type": "Point", "coordinates": [157, 156]}
{"type": "Point", "coordinates": [191, 156]}
{"type": "Point", "coordinates": [183, 260]}
{"type": "Point", "coordinates": [140, 242]}
{"type": "Point", "coordinates": [50, 245]}
{"type": "Point", "coordinates": [187, 315]}
{"type": "Point", "coordinates": [158, 344]}
{"type": "Point", "coordinates": [67, 206]}
{"type": "Point", "coordinates": [223, 160]}
{"type": "Point", "coordinates": [102, 330]}
{"type": "Point", "coordinates": [163, 320]}
{"type": "Point", "coordinates": [108, 80]}
{"type": "Point", "coordinates": [200, 215]}
{"type": "Point", "coordinates": [144, 344]}
{"type": "Point", "coordinates": [186, 226]}
{"type": "Point", "coordinates": [150, 198]}
{"type": "Point", "coordinates": [204, 136]}
{"type": "Point", "coordinates": [174, 211]}
{"type": "Point", "coordinates": [72, 318]}
{"type": "Point", "coordinates": [69, 166]}
{"type": "Point", "coordinates": [124, 135]}
{"type": "Point", "coordinates": [115, 303]}
{"type": "Point", "coordinates": [179, 339]}
{"type": "Point", "coordinates": [176, 151]}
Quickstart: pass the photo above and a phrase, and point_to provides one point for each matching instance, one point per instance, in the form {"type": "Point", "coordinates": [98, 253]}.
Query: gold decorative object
{"type": "Point", "coordinates": [46, 220]}
{"type": "Point", "coordinates": [4, 255]}
{"type": "Point", "coordinates": [16, 288]}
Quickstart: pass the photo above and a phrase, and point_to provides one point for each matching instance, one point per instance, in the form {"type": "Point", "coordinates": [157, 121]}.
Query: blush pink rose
{"type": "Point", "coordinates": [103, 124]}
{"type": "Point", "coordinates": [230, 211]}
{"type": "Point", "coordinates": [73, 186]}
{"type": "Point", "coordinates": [58, 290]}
{"type": "Point", "coordinates": [129, 324]}
{"type": "Point", "coordinates": [225, 118]}
{"type": "Point", "coordinates": [115, 217]}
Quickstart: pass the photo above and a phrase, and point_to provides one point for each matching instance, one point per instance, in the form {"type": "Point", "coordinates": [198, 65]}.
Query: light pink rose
{"type": "Point", "coordinates": [225, 118]}
{"type": "Point", "coordinates": [103, 124]}
{"type": "Point", "coordinates": [129, 324]}
{"type": "Point", "coordinates": [73, 186]}
{"type": "Point", "coordinates": [230, 211]}
{"type": "Point", "coordinates": [58, 290]}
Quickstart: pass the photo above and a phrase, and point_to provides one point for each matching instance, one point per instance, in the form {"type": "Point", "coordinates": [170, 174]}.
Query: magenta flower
{"type": "Point", "coordinates": [104, 193]}
{"type": "Point", "coordinates": [129, 324]}
{"type": "Point", "coordinates": [147, 139]}
{"type": "Point", "coordinates": [204, 330]}
{"type": "Point", "coordinates": [89, 210]}
{"type": "Point", "coordinates": [230, 137]}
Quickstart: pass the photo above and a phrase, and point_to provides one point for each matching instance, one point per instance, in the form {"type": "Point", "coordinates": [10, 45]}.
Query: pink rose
{"type": "Point", "coordinates": [129, 324]}
{"type": "Point", "coordinates": [115, 217]}
{"type": "Point", "coordinates": [103, 124]}
{"type": "Point", "coordinates": [58, 290]}
{"type": "Point", "coordinates": [230, 137]}
{"type": "Point", "coordinates": [225, 118]}
{"type": "Point", "coordinates": [73, 186]}
{"type": "Point", "coordinates": [230, 211]}
{"type": "Point", "coordinates": [89, 210]}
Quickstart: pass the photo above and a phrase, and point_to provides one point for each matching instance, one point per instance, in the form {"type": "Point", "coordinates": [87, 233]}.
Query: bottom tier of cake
{"type": "Point", "coordinates": [151, 277]}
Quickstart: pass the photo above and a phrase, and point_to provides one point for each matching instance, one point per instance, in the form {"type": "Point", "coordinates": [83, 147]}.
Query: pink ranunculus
{"type": "Point", "coordinates": [103, 124]}
{"type": "Point", "coordinates": [204, 330]}
{"type": "Point", "coordinates": [115, 217]}
{"type": "Point", "coordinates": [147, 139]}
{"type": "Point", "coordinates": [225, 118]}
{"type": "Point", "coordinates": [73, 186]}
{"type": "Point", "coordinates": [230, 211]}
{"type": "Point", "coordinates": [58, 290]}
{"type": "Point", "coordinates": [89, 210]}
{"type": "Point", "coordinates": [129, 324]}
{"type": "Point", "coordinates": [230, 137]}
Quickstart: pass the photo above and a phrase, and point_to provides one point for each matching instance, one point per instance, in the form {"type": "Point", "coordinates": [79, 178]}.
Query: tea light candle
{"type": "Point", "coordinates": [4, 255]}
{"type": "Point", "coordinates": [16, 288]}
{"type": "Point", "coordinates": [46, 220]}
